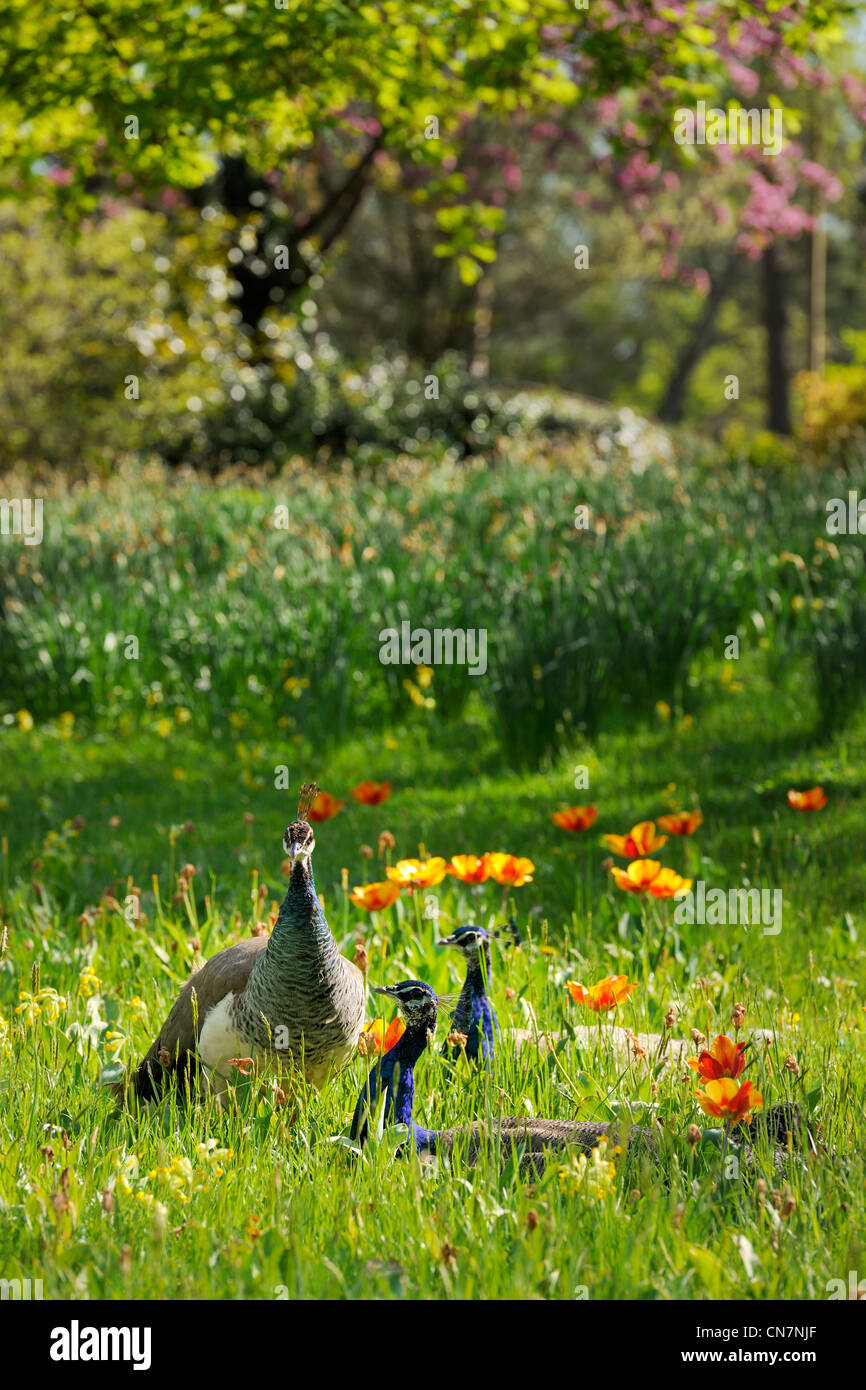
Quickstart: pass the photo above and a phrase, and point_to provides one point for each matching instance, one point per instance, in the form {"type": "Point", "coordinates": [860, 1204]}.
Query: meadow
{"type": "Point", "coordinates": [180, 647]}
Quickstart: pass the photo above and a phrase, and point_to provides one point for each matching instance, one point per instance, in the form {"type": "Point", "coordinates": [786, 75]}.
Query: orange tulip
{"type": "Point", "coordinates": [648, 875]}
{"type": "Point", "coordinates": [724, 1058]}
{"type": "Point", "coordinates": [371, 793]}
{"type": "Point", "coordinates": [375, 896]}
{"type": "Point", "coordinates": [469, 868]}
{"type": "Point", "coordinates": [724, 1100]}
{"type": "Point", "coordinates": [812, 800]}
{"type": "Point", "coordinates": [413, 873]}
{"type": "Point", "coordinates": [376, 1039]}
{"type": "Point", "coordinates": [681, 822]}
{"type": "Point", "coordinates": [638, 843]}
{"type": "Point", "coordinates": [323, 808]}
{"type": "Point", "coordinates": [668, 883]}
{"type": "Point", "coordinates": [576, 818]}
{"type": "Point", "coordinates": [507, 870]}
{"type": "Point", "coordinates": [609, 992]}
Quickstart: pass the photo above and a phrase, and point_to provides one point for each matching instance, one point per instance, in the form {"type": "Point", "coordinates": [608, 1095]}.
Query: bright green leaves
{"type": "Point", "coordinates": [471, 229]}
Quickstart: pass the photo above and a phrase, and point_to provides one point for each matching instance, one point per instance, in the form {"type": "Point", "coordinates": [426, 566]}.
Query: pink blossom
{"type": "Point", "coordinates": [822, 178]}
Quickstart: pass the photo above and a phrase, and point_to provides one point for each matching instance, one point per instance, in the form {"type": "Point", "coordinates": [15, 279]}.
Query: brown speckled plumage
{"type": "Point", "coordinates": [291, 1001]}
{"type": "Point", "coordinates": [537, 1140]}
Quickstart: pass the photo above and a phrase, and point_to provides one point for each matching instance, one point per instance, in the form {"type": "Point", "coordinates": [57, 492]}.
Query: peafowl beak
{"type": "Point", "coordinates": [383, 989]}
{"type": "Point", "coordinates": [446, 941]}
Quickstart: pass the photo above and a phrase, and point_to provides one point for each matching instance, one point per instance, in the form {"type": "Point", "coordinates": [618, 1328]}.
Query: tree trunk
{"type": "Point", "coordinates": [672, 407]}
{"type": "Point", "coordinates": [483, 325]}
{"type": "Point", "coordinates": [776, 323]}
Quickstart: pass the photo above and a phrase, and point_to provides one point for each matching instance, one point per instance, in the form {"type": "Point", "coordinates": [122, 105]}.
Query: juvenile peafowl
{"type": "Point", "coordinates": [393, 1076]}
{"type": "Point", "coordinates": [781, 1127]}
{"type": "Point", "coordinates": [290, 1002]}
{"type": "Point", "coordinates": [474, 1016]}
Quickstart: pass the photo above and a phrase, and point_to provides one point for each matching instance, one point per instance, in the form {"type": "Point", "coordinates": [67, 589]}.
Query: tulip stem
{"type": "Point", "coordinates": [726, 1136]}
{"type": "Point", "coordinates": [417, 903]}
{"type": "Point", "coordinates": [663, 928]}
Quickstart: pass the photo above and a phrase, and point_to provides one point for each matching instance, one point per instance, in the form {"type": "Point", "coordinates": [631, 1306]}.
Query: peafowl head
{"type": "Point", "coordinates": [469, 940]}
{"type": "Point", "coordinates": [472, 941]}
{"type": "Point", "coordinates": [417, 1002]}
{"type": "Point", "coordinates": [299, 840]}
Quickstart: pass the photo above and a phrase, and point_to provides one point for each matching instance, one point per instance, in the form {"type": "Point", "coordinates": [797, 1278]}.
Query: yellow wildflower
{"type": "Point", "coordinates": [593, 1177]}
{"type": "Point", "coordinates": [88, 982]}
{"type": "Point", "coordinates": [138, 1009]}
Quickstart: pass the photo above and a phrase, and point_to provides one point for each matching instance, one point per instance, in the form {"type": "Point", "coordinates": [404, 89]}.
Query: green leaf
{"type": "Point", "coordinates": [470, 271]}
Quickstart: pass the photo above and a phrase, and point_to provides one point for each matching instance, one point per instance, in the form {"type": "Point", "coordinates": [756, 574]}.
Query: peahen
{"type": "Point", "coordinates": [393, 1076]}
{"type": "Point", "coordinates": [289, 1002]}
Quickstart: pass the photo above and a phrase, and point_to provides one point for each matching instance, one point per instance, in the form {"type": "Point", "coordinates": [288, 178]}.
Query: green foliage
{"type": "Point", "coordinates": [65, 316]}
{"type": "Point", "coordinates": [833, 406]}
{"type": "Point", "coordinates": [205, 82]}
{"type": "Point", "coordinates": [139, 302]}
{"type": "Point", "coordinates": [263, 598]}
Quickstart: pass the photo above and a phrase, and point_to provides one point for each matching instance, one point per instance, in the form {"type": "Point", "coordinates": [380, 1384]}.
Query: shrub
{"type": "Point", "coordinates": [833, 410]}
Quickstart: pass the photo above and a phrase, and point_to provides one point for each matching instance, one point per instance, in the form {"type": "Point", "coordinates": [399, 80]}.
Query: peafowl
{"type": "Point", "coordinates": [781, 1127]}
{"type": "Point", "coordinates": [393, 1076]}
{"type": "Point", "coordinates": [475, 1017]}
{"type": "Point", "coordinates": [289, 1001]}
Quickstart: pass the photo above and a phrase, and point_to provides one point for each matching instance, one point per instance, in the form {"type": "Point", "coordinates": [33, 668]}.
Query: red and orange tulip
{"type": "Point", "coordinates": [812, 800]}
{"type": "Point", "coordinates": [640, 841]}
{"type": "Point", "coordinates": [649, 876]}
{"type": "Point", "coordinates": [668, 883]}
{"type": "Point", "coordinates": [469, 868]}
{"type": "Point", "coordinates": [509, 870]}
{"type": "Point", "coordinates": [324, 807]}
{"type": "Point", "coordinates": [375, 896]}
{"type": "Point", "coordinates": [725, 1100]}
{"type": "Point", "coordinates": [681, 822]}
{"type": "Point", "coordinates": [371, 793]}
{"type": "Point", "coordinates": [723, 1058]}
{"type": "Point", "coordinates": [576, 818]}
{"type": "Point", "coordinates": [376, 1039]}
{"type": "Point", "coordinates": [417, 873]}
{"type": "Point", "coordinates": [609, 992]}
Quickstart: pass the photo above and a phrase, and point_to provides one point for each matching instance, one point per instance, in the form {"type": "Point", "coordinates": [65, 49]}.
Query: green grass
{"type": "Point", "coordinates": [293, 1212]}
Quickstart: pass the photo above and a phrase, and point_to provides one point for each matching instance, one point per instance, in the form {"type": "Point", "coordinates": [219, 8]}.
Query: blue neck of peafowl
{"type": "Point", "coordinates": [395, 1076]}
{"type": "Point", "coordinates": [301, 954]}
{"type": "Point", "coordinates": [474, 1015]}
{"type": "Point", "coordinates": [301, 915]}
